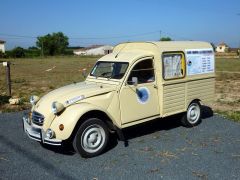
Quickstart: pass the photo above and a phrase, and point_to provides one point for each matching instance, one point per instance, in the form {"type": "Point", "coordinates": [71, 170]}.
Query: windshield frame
{"type": "Point", "coordinates": [122, 62]}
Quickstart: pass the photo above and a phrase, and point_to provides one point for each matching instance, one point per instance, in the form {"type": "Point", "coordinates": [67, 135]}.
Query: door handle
{"type": "Point", "coordinates": [155, 86]}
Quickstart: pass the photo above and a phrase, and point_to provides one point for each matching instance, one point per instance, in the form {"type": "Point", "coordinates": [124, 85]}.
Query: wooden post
{"type": "Point", "coordinates": [8, 78]}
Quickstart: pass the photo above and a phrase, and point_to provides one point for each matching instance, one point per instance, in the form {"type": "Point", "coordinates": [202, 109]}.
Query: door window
{"type": "Point", "coordinates": [143, 71]}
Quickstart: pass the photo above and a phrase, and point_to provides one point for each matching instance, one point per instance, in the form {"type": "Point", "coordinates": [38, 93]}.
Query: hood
{"type": "Point", "coordinates": [69, 92]}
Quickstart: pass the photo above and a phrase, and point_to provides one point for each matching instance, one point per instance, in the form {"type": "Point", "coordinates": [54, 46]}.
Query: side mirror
{"type": "Point", "coordinates": [135, 81]}
{"type": "Point", "coordinates": [84, 73]}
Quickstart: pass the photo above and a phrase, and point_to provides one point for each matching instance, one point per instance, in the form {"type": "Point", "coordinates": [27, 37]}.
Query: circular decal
{"type": "Point", "coordinates": [189, 63]}
{"type": "Point", "coordinates": [143, 95]}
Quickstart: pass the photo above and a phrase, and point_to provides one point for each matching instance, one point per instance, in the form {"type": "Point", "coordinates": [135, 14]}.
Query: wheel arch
{"type": "Point", "coordinates": [74, 116]}
{"type": "Point", "coordinates": [194, 100]}
{"type": "Point", "coordinates": [93, 114]}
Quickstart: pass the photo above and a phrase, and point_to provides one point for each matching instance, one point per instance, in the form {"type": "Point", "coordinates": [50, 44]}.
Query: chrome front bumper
{"type": "Point", "coordinates": [38, 134]}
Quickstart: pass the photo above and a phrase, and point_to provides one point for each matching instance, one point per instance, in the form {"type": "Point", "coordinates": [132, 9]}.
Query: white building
{"type": "Point", "coordinates": [222, 47]}
{"type": "Point", "coordinates": [94, 50]}
{"type": "Point", "coordinates": [79, 52]}
{"type": "Point", "coordinates": [2, 46]}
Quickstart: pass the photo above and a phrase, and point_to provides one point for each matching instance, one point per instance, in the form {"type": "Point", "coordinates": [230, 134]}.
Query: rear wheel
{"type": "Point", "coordinates": [193, 115]}
{"type": "Point", "coordinates": [91, 138]}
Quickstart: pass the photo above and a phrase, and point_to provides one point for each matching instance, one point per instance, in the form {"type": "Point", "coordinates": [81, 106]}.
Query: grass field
{"type": "Point", "coordinates": [39, 76]}
{"type": "Point", "coordinates": [227, 100]}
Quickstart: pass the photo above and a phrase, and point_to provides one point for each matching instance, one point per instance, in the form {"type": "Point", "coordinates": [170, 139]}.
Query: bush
{"type": "Point", "coordinates": [2, 55]}
{"type": "Point", "coordinates": [18, 52]}
{"type": "Point", "coordinates": [165, 39]}
{"type": "Point", "coordinates": [68, 52]}
{"type": "Point", "coordinates": [31, 53]}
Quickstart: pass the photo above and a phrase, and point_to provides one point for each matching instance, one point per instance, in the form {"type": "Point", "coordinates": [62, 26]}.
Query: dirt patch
{"type": "Point", "coordinates": [227, 92]}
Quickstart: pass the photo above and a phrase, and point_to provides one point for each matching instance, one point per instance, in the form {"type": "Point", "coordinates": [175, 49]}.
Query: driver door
{"type": "Point", "coordinates": [139, 100]}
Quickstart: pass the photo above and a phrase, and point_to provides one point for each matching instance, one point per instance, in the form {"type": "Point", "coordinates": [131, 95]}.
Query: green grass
{"type": "Point", "coordinates": [29, 76]}
{"type": "Point", "coordinates": [232, 115]}
{"type": "Point", "coordinates": [228, 65]}
{"type": "Point", "coordinates": [224, 67]}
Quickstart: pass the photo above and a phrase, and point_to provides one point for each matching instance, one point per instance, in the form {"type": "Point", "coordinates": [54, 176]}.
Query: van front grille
{"type": "Point", "coordinates": [37, 118]}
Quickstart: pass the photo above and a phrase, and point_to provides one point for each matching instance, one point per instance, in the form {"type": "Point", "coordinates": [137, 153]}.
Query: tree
{"type": "Point", "coordinates": [32, 48]}
{"type": "Point", "coordinates": [165, 39]}
{"type": "Point", "coordinates": [52, 44]}
{"type": "Point", "coordinates": [18, 52]}
{"type": "Point", "coordinates": [213, 46]}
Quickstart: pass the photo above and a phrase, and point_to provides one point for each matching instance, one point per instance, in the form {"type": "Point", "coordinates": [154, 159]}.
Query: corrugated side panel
{"type": "Point", "coordinates": [173, 98]}
{"type": "Point", "coordinates": [201, 89]}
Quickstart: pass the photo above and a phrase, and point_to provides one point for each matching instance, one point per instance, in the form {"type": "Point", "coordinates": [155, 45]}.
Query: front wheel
{"type": "Point", "coordinates": [91, 138]}
{"type": "Point", "coordinates": [193, 115]}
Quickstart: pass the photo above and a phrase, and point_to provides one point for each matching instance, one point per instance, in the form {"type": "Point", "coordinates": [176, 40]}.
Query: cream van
{"type": "Point", "coordinates": [137, 82]}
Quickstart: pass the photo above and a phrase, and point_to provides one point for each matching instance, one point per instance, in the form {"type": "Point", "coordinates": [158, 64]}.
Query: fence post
{"type": "Point", "coordinates": [8, 78]}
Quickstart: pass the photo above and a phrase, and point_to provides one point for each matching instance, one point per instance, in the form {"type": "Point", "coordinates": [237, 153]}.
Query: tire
{"type": "Point", "coordinates": [91, 138]}
{"type": "Point", "coordinates": [193, 115]}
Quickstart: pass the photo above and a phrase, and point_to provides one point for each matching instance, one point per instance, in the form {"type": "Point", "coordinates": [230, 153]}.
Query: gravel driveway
{"type": "Point", "coordinates": [160, 149]}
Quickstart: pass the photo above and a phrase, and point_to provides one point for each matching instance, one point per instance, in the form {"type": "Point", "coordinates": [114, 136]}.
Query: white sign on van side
{"type": "Point", "coordinates": [199, 61]}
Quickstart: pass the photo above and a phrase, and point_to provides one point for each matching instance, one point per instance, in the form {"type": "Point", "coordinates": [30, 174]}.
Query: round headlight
{"type": "Point", "coordinates": [50, 133]}
{"type": "Point", "coordinates": [34, 100]}
{"type": "Point", "coordinates": [57, 107]}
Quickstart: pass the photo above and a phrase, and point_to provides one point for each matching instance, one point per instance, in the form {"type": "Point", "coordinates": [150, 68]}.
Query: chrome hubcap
{"type": "Point", "coordinates": [193, 113]}
{"type": "Point", "coordinates": [93, 138]}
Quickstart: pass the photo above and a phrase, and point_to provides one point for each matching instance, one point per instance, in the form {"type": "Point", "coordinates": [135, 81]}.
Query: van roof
{"type": "Point", "coordinates": [185, 44]}
{"type": "Point", "coordinates": [130, 51]}
{"type": "Point", "coordinates": [126, 56]}
{"type": "Point", "coordinates": [163, 45]}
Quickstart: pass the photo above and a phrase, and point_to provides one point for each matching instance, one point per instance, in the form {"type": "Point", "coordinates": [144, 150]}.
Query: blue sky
{"type": "Point", "coordinates": [132, 20]}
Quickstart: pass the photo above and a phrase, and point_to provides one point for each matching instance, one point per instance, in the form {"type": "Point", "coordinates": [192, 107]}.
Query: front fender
{"type": "Point", "coordinates": [69, 119]}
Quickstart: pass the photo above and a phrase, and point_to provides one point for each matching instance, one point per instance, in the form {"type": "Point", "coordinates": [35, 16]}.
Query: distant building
{"type": "Point", "coordinates": [222, 47]}
{"type": "Point", "coordinates": [94, 50]}
{"type": "Point", "coordinates": [2, 46]}
{"type": "Point", "coordinates": [79, 52]}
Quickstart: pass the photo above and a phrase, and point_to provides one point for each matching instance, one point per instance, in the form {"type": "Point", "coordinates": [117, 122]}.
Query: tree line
{"type": "Point", "coordinates": [47, 45]}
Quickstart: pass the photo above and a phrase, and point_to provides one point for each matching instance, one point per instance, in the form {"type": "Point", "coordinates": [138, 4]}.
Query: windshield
{"type": "Point", "coordinates": [114, 70]}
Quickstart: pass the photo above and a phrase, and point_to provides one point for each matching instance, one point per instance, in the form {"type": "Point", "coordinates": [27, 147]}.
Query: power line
{"type": "Point", "coordinates": [176, 36]}
{"type": "Point", "coordinates": [159, 32]}
{"type": "Point", "coordinates": [107, 37]}
{"type": "Point", "coordinates": [17, 36]}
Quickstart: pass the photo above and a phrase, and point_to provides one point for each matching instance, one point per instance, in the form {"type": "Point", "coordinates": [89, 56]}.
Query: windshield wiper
{"type": "Point", "coordinates": [109, 77]}
{"type": "Point", "coordinates": [104, 75]}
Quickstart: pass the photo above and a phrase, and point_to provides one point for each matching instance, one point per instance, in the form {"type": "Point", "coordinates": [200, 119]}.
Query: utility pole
{"type": "Point", "coordinates": [239, 50]}
{"type": "Point", "coordinates": [160, 35]}
{"type": "Point", "coordinates": [42, 48]}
